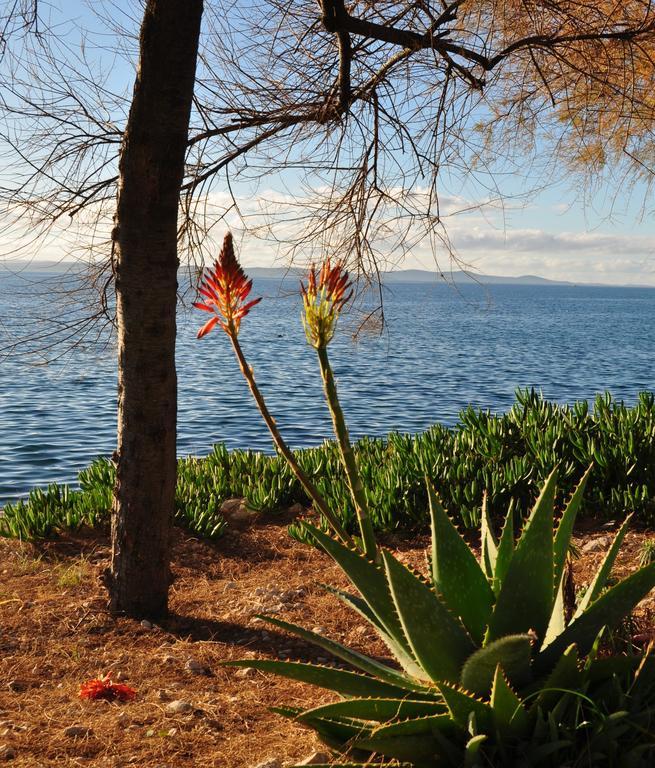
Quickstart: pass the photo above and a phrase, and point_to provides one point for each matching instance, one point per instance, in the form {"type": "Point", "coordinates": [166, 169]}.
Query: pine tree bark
{"type": "Point", "coordinates": [151, 169]}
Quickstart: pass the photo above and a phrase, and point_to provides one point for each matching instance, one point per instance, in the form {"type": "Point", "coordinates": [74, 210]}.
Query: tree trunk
{"type": "Point", "coordinates": [151, 170]}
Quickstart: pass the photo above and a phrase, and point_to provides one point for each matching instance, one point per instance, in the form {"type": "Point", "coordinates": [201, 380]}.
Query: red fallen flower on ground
{"type": "Point", "coordinates": [103, 688]}
{"type": "Point", "coordinates": [225, 288]}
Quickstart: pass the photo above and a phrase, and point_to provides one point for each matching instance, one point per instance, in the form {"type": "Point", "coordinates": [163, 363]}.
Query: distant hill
{"type": "Point", "coordinates": [415, 276]}
{"type": "Point", "coordinates": [294, 273]}
{"type": "Point", "coordinates": [424, 276]}
{"type": "Point", "coordinates": [16, 267]}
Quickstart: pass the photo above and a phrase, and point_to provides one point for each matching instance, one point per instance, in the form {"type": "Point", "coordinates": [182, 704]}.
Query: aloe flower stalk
{"type": "Point", "coordinates": [323, 299]}
{"type": "Point", "coordinates": [226, 288]}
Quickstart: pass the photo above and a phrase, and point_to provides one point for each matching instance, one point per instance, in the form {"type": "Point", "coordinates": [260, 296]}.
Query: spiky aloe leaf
{"type": "Point", "coordinates": [423, 740]}
{"type": "Point", "coordinates": [438, 640]}
{"type": "Point", "coordinates": [339, 680]}
{"type": "Point", "coordinates": [525, 599]}
{"type": "Point", "coordinates": [357, 604]}
{"type": "Point", "coordinates": [565, 676]}
{"type": "Point", "coordinates": [562, 541]}
{"type": "Point", "coordinates": [557, 621]}
{"type": "Point", "coordinates": [462, 704]}
{"type": "Point", "coordinates": [472, 750]}
{"type": "Point", "coordinates": [364, 663]}
{"type": "Point", "coordinates": [416, 725]}
{"type": "Point", "coordinates": [456, 574]}
{"type": "Point", "coordinates": [608, 611]}
{"type": "Point", "coordinates": [361, 607]}
{"type": "Point", "coordinates": [489, 544]}
{"type": "Point", "coordinates": [512, 652]}
{"type": "Point", "coordinates": [419, 750]}
{"type": "Point", "coordinates": [598, 584]}
{"type": "Point", "coordinates": [335, 733]}
{"type": "Point", "coordinates": [378, 710]}
{"type": "Point", "coordinates": [504, 553]}
{"type": "Point", "coordinates": [447, 748]}
{"type": "Point", "coordinates": [371, 582]}
{"type": "Point", "coordinates": [510, 715]}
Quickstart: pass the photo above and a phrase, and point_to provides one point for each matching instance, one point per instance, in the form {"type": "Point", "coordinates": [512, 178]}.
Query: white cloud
{"type": "Point", "coordinates": [476, 231]}
{"type": "Point", "coordinates": [575, 256]}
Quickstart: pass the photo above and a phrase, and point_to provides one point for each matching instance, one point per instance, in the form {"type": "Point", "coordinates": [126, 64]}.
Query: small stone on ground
{"type": "Point", "coordinates": [7, 752]}
{"type": "Point", "coordinates": [596, 545]}
{"type": "Point", "coordinates": [272, 762]}
{"type": "Point", "coordinates": [196, 668]}
{"type": "Point", "coordinates": [317, 758]}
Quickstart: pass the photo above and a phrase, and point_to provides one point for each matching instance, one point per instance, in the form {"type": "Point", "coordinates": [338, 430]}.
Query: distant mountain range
{"type": "Point", "coordinates": [294, 273]}
{"type": "Point", "coordinates": [416, 276]}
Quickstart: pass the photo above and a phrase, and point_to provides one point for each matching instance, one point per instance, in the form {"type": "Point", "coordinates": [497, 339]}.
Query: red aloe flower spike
{"type": "Point", "coordinates": [103, 688]}
{"type": "Point", "coordinates": [225, 288]}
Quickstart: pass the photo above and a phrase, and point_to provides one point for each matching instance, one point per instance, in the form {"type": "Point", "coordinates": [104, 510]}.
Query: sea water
{"type": "Point", "coordinates": [441, 348]}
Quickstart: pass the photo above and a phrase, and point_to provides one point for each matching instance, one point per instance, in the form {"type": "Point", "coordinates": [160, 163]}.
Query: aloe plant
{"type": "Point", "coordinates": [491, 667]}
{"type": "Point", "coordinates": [488, 669]}
{"type": "Point", "coordinates": [323, 298]}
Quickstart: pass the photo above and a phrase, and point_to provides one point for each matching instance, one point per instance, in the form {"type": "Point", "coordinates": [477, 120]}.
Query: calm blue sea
{"type": "Point", "coordinates": [441, 349]}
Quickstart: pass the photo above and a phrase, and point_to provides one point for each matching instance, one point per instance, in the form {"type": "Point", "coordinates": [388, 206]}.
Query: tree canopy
{"type": "Point", "coordinates": [363, 110]}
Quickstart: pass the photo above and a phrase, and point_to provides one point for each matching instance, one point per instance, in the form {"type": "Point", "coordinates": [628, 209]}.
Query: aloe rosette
{"type": "Point", "coordinates": [489, 671]}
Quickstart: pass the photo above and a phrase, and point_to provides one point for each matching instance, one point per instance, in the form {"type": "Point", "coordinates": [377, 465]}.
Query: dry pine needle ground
{"type": "Point", "coordinates": [55, 633]}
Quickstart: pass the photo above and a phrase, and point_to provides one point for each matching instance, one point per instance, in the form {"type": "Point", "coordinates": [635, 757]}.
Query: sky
{"type": "Point", "coordinates": [561, 233]}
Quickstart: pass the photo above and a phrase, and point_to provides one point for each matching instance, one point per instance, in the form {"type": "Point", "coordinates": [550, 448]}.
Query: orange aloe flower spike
{"type": "Point", "coordinates": [336, 281]}
{"type": "Point", "coordinates": [324, 296]}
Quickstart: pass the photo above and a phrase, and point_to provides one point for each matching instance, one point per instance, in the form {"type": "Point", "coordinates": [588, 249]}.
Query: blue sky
{"type": "Point", "coordinates": [563, 232]}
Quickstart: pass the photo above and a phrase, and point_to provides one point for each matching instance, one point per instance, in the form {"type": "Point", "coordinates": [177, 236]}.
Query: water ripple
{"type": "Point", "coordinates": [442, 350]}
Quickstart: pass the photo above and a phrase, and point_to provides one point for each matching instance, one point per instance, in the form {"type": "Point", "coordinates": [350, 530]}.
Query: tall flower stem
{"type": "Point", "coordinates": [283, 448]}
{"type": "Point", "coordinates": [347, 455]}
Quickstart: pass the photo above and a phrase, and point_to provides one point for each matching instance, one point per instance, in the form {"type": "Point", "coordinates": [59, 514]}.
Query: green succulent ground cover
{"type": "Point", "coordinates": [509, 455]}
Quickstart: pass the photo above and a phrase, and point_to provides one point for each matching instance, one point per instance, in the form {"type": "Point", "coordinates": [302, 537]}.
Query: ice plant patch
{"type": "Point", "coordinates": [103, 688]}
